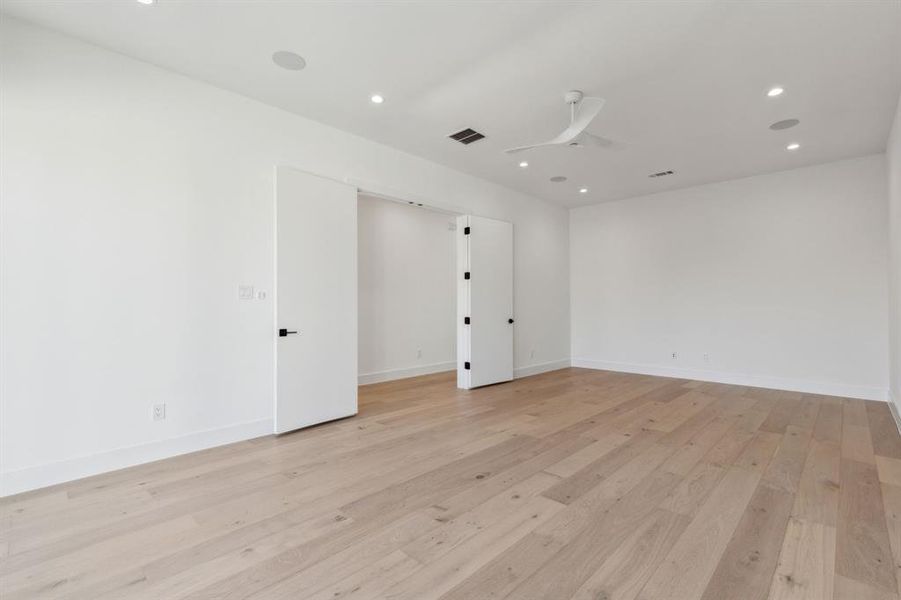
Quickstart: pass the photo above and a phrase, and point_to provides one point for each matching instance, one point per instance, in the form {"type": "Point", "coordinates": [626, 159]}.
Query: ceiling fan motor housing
{"type": "Point", "coordinates": [573, 97]}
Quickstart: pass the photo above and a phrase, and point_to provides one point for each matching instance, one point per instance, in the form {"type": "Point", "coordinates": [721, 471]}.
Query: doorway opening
{"type": "Point", "coordinates": [406, 268]}
{"type": "Point", "coordinates": [373, 288]}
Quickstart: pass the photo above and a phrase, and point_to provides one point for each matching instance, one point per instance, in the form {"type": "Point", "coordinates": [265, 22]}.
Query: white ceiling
{"type": "Point", "coordinates": [685, 82]}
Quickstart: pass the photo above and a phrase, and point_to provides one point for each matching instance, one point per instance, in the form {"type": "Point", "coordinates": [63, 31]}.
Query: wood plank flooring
{"type": "Point", "coordinates": [578, 484]}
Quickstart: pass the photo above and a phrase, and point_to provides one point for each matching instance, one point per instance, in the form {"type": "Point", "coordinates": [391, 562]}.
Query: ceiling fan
{"type": "Point", "coordinates": [582, 110]}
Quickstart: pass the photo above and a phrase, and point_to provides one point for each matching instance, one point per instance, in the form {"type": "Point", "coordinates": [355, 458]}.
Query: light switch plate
{"type": "Point", "coordinates": [245, 292]}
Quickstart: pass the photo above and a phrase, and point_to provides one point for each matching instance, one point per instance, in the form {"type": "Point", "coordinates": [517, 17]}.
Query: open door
{"type": "Point", "coordinates": [316, 314]}
{"type": "Point", "coordinates": [484, 301]}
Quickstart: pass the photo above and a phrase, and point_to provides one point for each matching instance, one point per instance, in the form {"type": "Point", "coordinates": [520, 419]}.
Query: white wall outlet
{"type": "Point", "coordinates": [261, 295]}
{"type": "Point", "coordinates": [674, 356]}
{"type": "Point", "coordinates": [245, 292]}
{"type": "Point", "coordinates": [706, 357]}
{"type": "Point", "coordinates": [159, 412]}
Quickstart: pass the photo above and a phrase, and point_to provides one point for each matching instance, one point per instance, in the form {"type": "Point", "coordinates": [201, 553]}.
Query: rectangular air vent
{"type": "Point", "coordinates": [661, 174]}
{"type": "Point", "coordinates": [467, 136]}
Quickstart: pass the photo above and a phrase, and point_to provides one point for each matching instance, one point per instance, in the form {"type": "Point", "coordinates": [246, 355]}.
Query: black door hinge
{"type": "Point", "coordinates": [466, 320]}
{"type": "Point", "coordinates": [466, 231]}
{"type": "Point", "coordinates": [466, 275]}
{"type": "Point", "coordinates": [466, 366]}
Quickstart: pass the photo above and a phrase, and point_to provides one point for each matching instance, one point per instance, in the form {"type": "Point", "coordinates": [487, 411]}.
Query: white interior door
{"type": "Point", "coordinates": [316, 315]}
{"type": "Point", "coordinates": [484, 301]}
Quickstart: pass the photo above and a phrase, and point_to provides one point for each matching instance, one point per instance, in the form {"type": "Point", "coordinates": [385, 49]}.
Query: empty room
{"type": "Point", "coordinates": [446, 299]}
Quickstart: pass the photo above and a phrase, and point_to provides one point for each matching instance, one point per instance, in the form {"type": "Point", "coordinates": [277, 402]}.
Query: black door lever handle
{"type": "Point", "coordinates": [510, 321]}
{"type": "Point", "coordinates": [284, 332]}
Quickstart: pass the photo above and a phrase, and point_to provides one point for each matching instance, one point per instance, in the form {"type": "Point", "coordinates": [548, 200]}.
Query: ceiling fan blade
{"type": "Point", "coordinates": [596, 140]}
{"type": "Point", "coordinates": [568, 135]}
{"type": "Point", "coordinates": [530, 146]}
{"type": "Point", "coordinates": [588, 110]}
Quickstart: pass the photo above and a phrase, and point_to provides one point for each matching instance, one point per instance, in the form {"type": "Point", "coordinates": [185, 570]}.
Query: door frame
{"type": "Point", "coordinates": [386, 193]}
{"type": "Point", "coordinates": [363, 186]}
{"type": "Point", "coordinates": [367, 187]}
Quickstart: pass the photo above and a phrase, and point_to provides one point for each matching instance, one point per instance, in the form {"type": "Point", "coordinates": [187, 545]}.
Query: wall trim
{"type": "Point", "coordinates": [392, 374]}
{"type": "Point", "coordinates": [541, 368]}
{"type": "Point", "coordinates": [893, 408]}
{"type": "Point", "coordinates": [863, 392]}
{"type": "Point", "coordinates": [39, 476]}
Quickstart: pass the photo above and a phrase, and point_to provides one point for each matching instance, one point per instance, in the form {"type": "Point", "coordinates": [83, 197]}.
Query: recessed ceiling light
{"type": "Point", "coordinates": [583, 191]}
{"type": "Point", "coordinates": [289, 60]}
{"type": "Point", "coordinates": [376, 99]}
{"type": "Point", "coordinates": [558, 178]}
{"type": "Point", "coordinates": [776, 91]}
{"type": "Point", "coordinates": [523, 164]}
{"type": "Point", "coordinates": [793, 146]}
{"type": "Point", "coordinates": [146, 1]}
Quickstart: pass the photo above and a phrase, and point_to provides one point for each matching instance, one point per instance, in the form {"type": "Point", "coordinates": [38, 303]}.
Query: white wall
{"type": "Point", "coordinates": [134, 202]}
{"type": "Point", "coordinates": [407, 289]}
{"type": "Point", "coordinates": [893, 158]}
{"type": "Point", "coordinates": [779, 278]}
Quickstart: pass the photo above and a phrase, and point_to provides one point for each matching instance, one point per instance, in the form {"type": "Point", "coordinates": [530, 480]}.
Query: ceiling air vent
{"type": "Point", "coordinates": [467, 136]}
{"type": "Point", "coordinates": [661, 174]}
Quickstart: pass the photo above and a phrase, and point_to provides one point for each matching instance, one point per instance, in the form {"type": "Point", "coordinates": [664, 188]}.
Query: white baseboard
{"type": "Point", "coordinates": [541, 368]}
{"type": "Point", "coordinates": [30, 478]}
{"type": "Point", "coordinates": [894, 400]}
{"type": "Point", "coordinates": [778, 383]}
{"type": "Point", "coordinates": [391, 375]}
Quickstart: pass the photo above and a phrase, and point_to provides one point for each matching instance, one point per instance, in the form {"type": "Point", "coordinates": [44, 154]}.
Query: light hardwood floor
{"type": "Point", "coordinates": [573, 484]}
